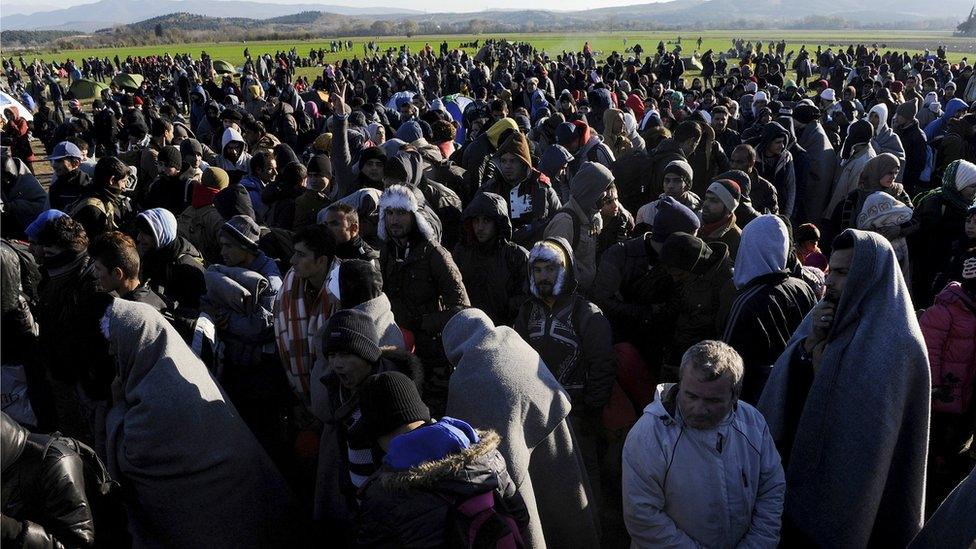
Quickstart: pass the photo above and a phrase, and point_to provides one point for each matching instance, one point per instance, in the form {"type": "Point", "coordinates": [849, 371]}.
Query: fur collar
{"type": "Point", "coordinates": [430, 473]}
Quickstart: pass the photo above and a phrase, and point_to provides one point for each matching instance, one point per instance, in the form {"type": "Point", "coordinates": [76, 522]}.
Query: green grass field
{"type": "Point", "coordinates": [605, 43]}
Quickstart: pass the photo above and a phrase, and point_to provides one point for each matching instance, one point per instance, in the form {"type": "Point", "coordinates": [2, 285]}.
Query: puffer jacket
{"type": "Point", "coordinates": [23, 197]}
{"type": "Point", "coordinates": [683, 487]}
{"type": "Point", "coordinates": [494, 272]}
{"type": "Point", "coordinates": [201, 227]}
{"type": "Point", "coordinates": [412, 508]}
{"type": "Point", "coordinates": [949, 328]}
{"type": "Point", "coordinates": [44, 489]}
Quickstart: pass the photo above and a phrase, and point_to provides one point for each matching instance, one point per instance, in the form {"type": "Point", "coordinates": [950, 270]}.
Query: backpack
{"type": "Point", "coordinates": [104, 495]}
{"type": "Point", "coordinates": [481, 522]}
{"type": "Point", "coordinates": [576, 225]}
{"type": "Point", "coordinates": [106, 208]}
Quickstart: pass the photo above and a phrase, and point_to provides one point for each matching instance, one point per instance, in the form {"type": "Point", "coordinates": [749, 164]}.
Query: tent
{"type": "Point", "coordinates": [392, 103]}
{"type": "Point", "coordinates": [7, 101]}
{"type": "Point", "coordinates": [87, 89]}
{"type": "Point", "coordinates": [223, 67]}
{"type": "Point", "coordinates": [692, 63]}
{"type": "Point", "coordinates": [454, 105]}
{"type": "Point", "coordinates": [130, 81]}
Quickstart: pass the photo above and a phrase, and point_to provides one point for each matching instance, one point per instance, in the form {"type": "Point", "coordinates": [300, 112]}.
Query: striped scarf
{"type": "Point", "coordinates": [296, 325]}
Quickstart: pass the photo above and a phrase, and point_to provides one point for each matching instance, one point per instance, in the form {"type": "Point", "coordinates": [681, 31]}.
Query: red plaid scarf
{"type": "Point", "coordinates": [296, 325]}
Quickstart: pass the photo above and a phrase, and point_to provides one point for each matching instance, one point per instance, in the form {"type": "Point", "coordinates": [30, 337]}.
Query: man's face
{"type": "Point", "coordinates": [720, 121]}
{"type": "Point", "coordinates": [657, 89]}
{"type": "Point", "coordinates": [232, 253]}
{"type": "Point", "coordinates": [399, 222]}
{"type": "Point", "coordinates": [712, 208]}
{"type": "Point", "coordinates": [704, 404]}
{"type": "Point", "coordinates": [545, 274]}
{"type": "Point", "coordinates": [484, 228]}
{"type": "Point", "coordinates": [233, 150]}
{"type": "Point", "coordinates": [351, 369]}
{"type": "Point", "coordinates": [608, 203]}
{"type": "Point", "coordinates": [911, 82]}
{"type": "Point", "coordinates": [674, 185]}
{"type": "Point", "coordinates": [145, 243]}
{"type": "Point", "coordinates": [373, 169]}
{"type": "Point", "coordinates": [840, 264]}
{"type": "Point", "coordinates": [740, 161]}
{"type": "Point", "coordinates": [688, 146]}
{"type": "Point", "coordinates": [406, 111]}
{"type": "Point", "coordinates": [498, 114]}
{"type": "Point", "coordinates": [108, 279]}
{"type": "Point", "coordinates": [192, 159]}
{"type": "Point", "coordinates": [776, 147]}
{"type": "Point", "coordinates": [270, 173]}
{"type": "Point", "coordinates": [512, 167]}
{"type": "Point", "coordinates": [338, 223]}
{"type": "Point", "coordinates": [64, 166]}
{"type": "Point", "coordinates": [306, 264]}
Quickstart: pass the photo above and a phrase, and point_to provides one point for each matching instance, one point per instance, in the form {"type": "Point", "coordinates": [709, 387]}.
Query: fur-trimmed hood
{"type": "Point", "coordinates": [404, 198]}
{"type": "Point", "coordinates": [463, 467]}
{"type": "Point", "coordinates": [545, 250]}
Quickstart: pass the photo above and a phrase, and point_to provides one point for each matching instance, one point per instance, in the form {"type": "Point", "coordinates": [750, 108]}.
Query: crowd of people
{"type": "Point", "coordinates": [509, 299]}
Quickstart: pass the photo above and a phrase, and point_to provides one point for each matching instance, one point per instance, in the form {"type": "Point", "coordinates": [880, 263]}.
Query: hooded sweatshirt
{"type": "Point", "coordinates": [579, 222]}
{"type": "Point", "coordinates": [494, 271]}
{"type": "Point", "coordinates": [520, 399]}
{"type": "Point", "coordinates": [938, 127]}
{"type": "Point", "coordinates": [881, 429]}
{"type": "Point", "coordinates": [780, 169]}
{"type": "Point", "coordinates": [769, 304]}
{"type": "Point", "coordinates": [242, 164]}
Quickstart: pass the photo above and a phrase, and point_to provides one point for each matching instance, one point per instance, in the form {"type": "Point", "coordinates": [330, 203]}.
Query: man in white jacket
{"type": "Point", "coordinates": [700, 468]}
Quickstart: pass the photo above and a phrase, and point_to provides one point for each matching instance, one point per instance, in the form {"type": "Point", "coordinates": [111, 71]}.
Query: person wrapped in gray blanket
{"type": "Point", "coordinates": [239, 301]}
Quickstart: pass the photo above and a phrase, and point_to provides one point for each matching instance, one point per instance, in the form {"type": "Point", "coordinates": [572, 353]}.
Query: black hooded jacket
{"type": "Point", "coordinates": [493, 272]}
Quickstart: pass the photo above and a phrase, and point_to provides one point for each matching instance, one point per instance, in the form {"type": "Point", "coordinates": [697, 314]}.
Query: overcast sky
{"type": "Point", "coordinates": [25, 6]}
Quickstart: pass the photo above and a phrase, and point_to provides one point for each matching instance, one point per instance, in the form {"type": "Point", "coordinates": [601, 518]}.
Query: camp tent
{"type": "Point", "coordinates": [130, 81]}
{"type": "Point", "coordinates": [87, 89]}
{"type": "Point", "coordinates": [223, 67]}
{"type": "Point", "coordinates": [454, 105]}
{"type": "Point", "coordinates": [7, 101]}
{"type": "Point", "coordinates": [392, 103]}
{"type": "Point", "coordinates": [692, 63]}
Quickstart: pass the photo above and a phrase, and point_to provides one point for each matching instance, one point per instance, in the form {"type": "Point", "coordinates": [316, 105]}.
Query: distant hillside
{"type": "Point", "coordinates": [106, 13]}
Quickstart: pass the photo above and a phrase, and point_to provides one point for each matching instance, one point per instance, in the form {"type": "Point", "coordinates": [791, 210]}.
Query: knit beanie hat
{"type": "Point", "coordinates": [215, 178]}
{"type": "Point", "coordinates": [351, 331]}
{"type": "Point", "coordinates": [191, 146]}
{"type": "Point", "coordinates": [41, 221]}
{"type": "Point", "coordinates": [681, 168]}
{"type": "Point", "coordinates": [897, 86]}
{"type": "Point", "coordinates": [686, 252]}
{"type": "Point", "coordinates": [965, 175]}
{"type": "Point", "coordinates": [386, 401]}
{"type": "Point", "coordinates": [243, 230]}
{"type": "Point", "coordinates": [908, 109]}
{"type": "Point", "coordinates": [171, 157]}
{"type": "Point", "coordinates": [319, 166]}
{"type": "Point", "coordinates": [565, 133]}
{"type": "Point", "coordinates": [372, 153]}
{"type": "Point", "coordinates": [741, 179]}
{"type": "Point", "coordinates": [672, 217]}
{"type": "Point", "coordinates": [359, 282]}
{"type": "Point", "coordinates": [409, 131]}
{"type": "Point", "coordinates": [728, 192]}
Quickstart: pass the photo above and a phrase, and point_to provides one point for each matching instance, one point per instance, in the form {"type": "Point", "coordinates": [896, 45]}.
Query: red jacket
{"type": "Point", "coordinates": [949, 327]}
{"type": "Point", "coordinates": [18, 132]}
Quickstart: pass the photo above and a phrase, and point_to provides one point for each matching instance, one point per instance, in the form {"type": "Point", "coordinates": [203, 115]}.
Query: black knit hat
{"type": "Point", "coordinates": [387, 401]}
{"type": "Point", "coordinates": [686, 252]}
{"type": "Point", "coordinates": [319, 166]}
{"type": "Point", "coordinates": [352, 332]}
{"type": "Point", "coordinates": [359, 281]}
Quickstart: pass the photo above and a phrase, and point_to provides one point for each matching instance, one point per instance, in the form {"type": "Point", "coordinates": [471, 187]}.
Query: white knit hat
{"type": "Point", "coordinates": [965, 175]}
